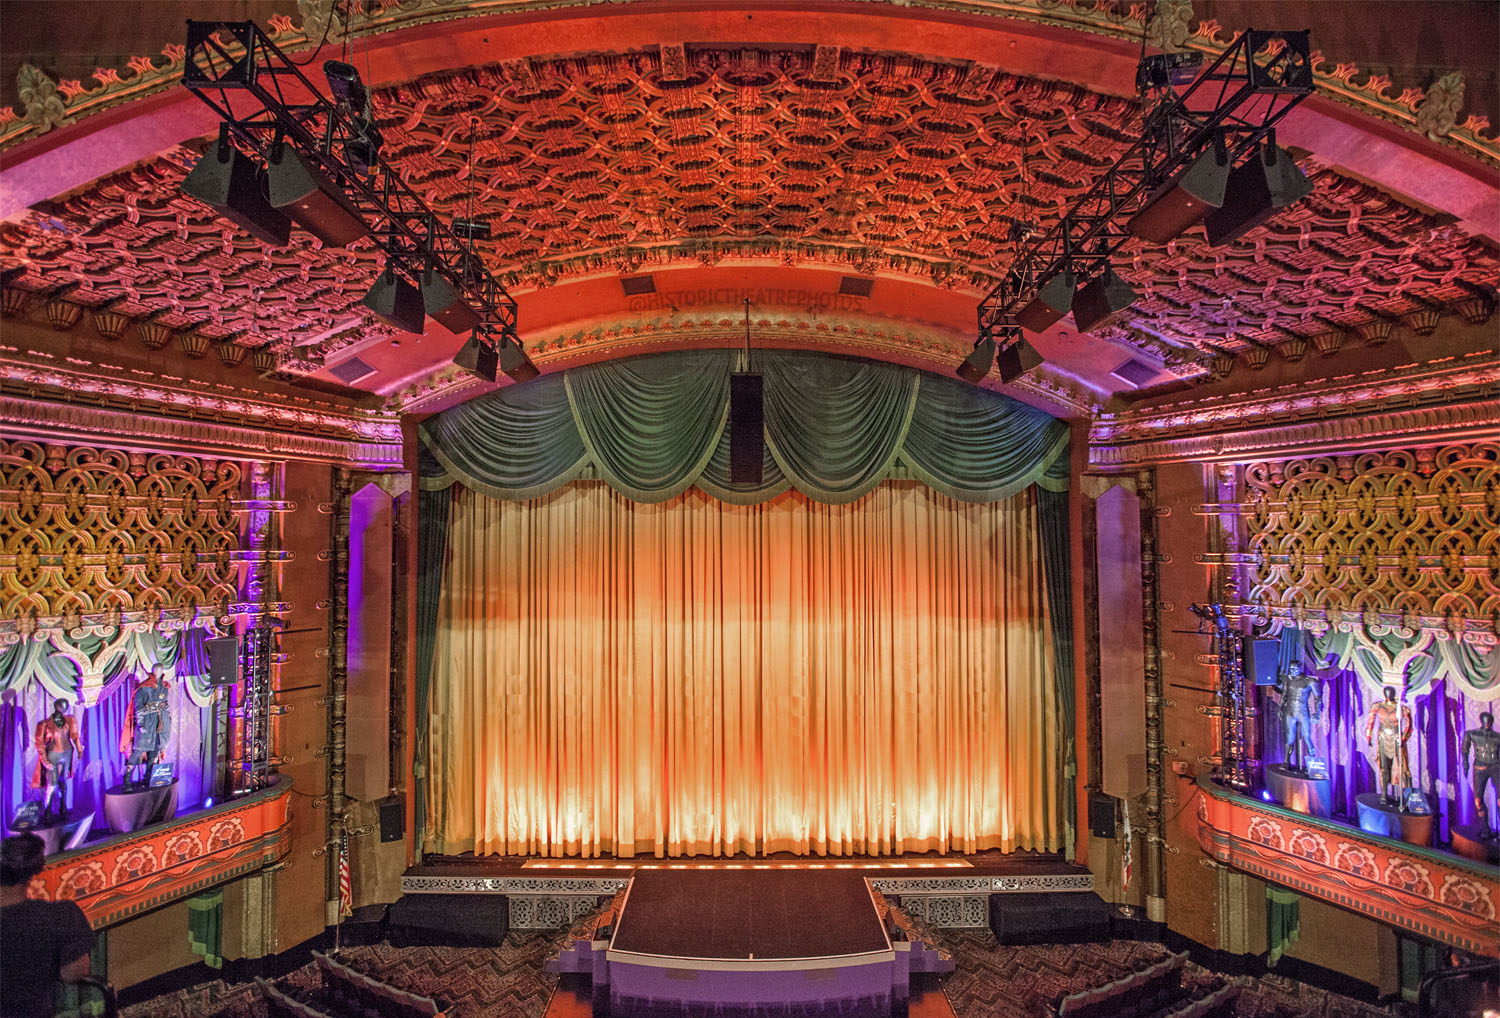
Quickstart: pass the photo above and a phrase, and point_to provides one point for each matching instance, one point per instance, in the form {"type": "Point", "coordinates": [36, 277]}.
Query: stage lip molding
{"type": "Point", "coordinates": [1438, 895]}
{"type": "Point", "coordinates": [123, 876]}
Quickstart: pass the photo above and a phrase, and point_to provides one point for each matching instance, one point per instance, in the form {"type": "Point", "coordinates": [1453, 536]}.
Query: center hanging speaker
{"type": "Point", "coordinates": [747, 433]}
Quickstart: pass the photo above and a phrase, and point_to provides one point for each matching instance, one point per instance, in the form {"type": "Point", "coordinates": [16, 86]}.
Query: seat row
{"type": "Point", "coordinates": [1147, 992]}
{"type": "Point", "coordinates": [354, 992]}
{"type": "Point", "coordinates": [279, 1005]}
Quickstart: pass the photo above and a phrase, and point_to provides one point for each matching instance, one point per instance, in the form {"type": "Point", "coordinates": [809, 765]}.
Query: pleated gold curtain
{"type": "Point", "coordinates": [699, 678]}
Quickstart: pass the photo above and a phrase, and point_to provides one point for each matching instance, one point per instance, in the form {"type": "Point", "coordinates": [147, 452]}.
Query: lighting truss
{"type": "Point", "coordinates": [1236, 102]}
{"type": "Point", "coordinates": [231, 59]}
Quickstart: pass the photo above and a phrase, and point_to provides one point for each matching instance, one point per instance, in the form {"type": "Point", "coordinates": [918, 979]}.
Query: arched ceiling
{"type": "Point", "coordinates": [774, 169]}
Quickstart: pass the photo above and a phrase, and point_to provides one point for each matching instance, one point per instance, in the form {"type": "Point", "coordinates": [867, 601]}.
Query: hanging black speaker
{"type": "Point", "coordinates": [1102, 814]}
{"type": "Point", "coordinates": [747, 434]}
{"type": "Point", "coordinates": [1261, 661]}
{"type": "Point", "coordinates": [223, 660]}
{"type": "Point", "coordinates": [392, 818]}
{"type": "Point", "coordinates": [234, 186]}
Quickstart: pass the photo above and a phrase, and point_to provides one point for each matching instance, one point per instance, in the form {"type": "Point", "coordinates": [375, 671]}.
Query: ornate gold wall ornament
{"type": "Point", "coordinates": [106, 543]}
{"type": "Point", "coordinates": [63, 315]}
{"type": "Point", "coordinates": [1437, 113]}
{"type": "Point", "coordinates": [1376, 332]}
{"type": "Point", "coordinates": [111, 324]}
{"type": "Point", "coordinates": [154, 335]}
{"type": "Point", "coordinates": [1169, 28]}
{"type": "Point", "coordinates": [1406, 541]}
{"type": "Point", "coordinates": [39, 96]}
{"type": "Point", "coordinates": [1422, 320]}
{"type": "Point", "coordinates": [15, 302]}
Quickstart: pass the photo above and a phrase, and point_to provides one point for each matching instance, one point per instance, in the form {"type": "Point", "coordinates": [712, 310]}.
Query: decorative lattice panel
{"type": "Point", "coordinates": [1411, 536]}
{"type": "Point", "coordinates": [101, 537]}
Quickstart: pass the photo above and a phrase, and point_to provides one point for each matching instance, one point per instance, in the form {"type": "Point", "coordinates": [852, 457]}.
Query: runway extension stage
{"type": "Point", "coordinates": [741, 943]}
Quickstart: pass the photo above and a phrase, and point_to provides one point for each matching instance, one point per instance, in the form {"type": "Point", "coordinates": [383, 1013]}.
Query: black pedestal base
{"type": "Point", "coordinates": [454, 920]}
{"type": "Point", "coordinates": [1048, 917]}
{"type": "Point", "coordinates": [127, 811]}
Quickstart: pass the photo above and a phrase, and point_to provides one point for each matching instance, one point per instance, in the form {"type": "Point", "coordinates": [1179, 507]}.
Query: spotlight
{"type": "Point", "coordinates": [477, 357]}
{"type": "Point", "coordinates": [227, 181]}
{"type": "Point", "coordinates": [1183, 201]}
{"type": "Point", "coordinates": [978, 363]}
{"type": "Point", "coordinates": [444, 304]}
{"type": "Point", "coordinates": [1163, 69]}
{"type": "Point", "coordinates": [1267, 181]}
{"type": "Point", "coordinates": [314, 202]}
{"type": "Point", "coordinates": [344, 83]}
{"type": "Point", "coordinates": [1016, 359]}
{"type": "Point", "coordinates": [515, 363]}
{"type": "Point", "coordinates": [1052, 301]}
{"type": "Point", "coordinates": [1102, 302]}
{"type": "Point", "coordinates": [473, 229]}
{"type": "Point", "coordinates": [395, 301]}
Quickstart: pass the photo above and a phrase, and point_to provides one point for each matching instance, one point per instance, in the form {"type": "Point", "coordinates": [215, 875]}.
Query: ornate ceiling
{"type": "Point", "coordinates": [769, 169]}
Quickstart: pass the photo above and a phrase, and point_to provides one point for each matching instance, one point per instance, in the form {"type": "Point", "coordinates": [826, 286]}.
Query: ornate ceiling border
{"type": "Point", "coordinates": [1456, 398]}
{"type": "Point", "coordinates": [1435, 113]}
{"type": "Point", "coordinates": [926, 349]}
{"type": "Point", "coordinates": [58, 404]}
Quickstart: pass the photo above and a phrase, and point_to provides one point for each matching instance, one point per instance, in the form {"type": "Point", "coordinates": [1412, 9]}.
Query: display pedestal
{"type": "Point", "coordinates": [53, 834]}
{"type": "Point", "coordinates": [127, 811]}
{"type": "Point", "coordinates": [1379, 817]}
{"type": "Point", "coordinates": [1299, 791]}
{"type": "Point", "coordinates": [1469, 842]}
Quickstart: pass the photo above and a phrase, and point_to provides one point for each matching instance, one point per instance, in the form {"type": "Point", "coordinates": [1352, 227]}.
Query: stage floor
{"type": "Point", "coordinates": [743, 914]}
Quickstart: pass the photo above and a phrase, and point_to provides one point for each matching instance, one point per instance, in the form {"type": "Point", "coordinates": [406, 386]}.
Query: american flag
{"type": "Point", "coordinates": [1125, 847]}
{"type": "Point", "coordinates": [346, 883]}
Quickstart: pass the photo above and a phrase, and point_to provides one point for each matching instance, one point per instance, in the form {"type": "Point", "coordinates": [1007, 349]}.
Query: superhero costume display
{"type": "Point", "coordinates": [58, 746]}
{"type": "Point", "coordinates": [148, 726]}
{"type": "Point", "coordinates": [1484, 743]}
{"type": "Point", "coordinates": [1301, 707]}
{"type": "Point", "coordinates": [1388, 728]}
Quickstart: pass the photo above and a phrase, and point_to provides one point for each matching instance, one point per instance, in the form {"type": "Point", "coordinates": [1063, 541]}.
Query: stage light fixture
{"type": "Point", "coordinates": [1102, 302]}
{"type": "Point", "coordinates": [1267, 181]}
{"type": "Point", "coordinates": [472, 229]}
{"type": "Point", "coordinates": [1183, 201]}
{"type": "Point", "coordinates": [1053, 299]}
{"type": "Point", "coordinates": [1015, 359]}
{"type": "Point", "coordinates": [234, 186]}
{"type": "Point", "coordinates": [315, 203]}
{"type": "Point", "coordinates": [347, 88]}
{"type": "Point", "coordinates": [444, 305]}
{"type": "Point", "coordinates": [478, 357]}
{"type": "Point", "coordinates": [362, 151]}
{"type": "Point", "coordinates": [515, 363]}
{"type": "Point", "coordinates": [395, 301]}
{"type": "Point", "coordinates": [980, 360]}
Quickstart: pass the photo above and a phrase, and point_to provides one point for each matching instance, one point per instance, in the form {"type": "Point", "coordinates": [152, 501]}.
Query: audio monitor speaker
{"type": "Point", "coordinates": [223, 660]}
{"type": "Point", "coordinates": [1261, 661]}
{"type": "Point", "coordinates": [393, 819]}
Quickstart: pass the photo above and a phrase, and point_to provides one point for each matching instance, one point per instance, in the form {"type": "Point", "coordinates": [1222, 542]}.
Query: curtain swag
{"type": "Point", "coordinates": [652, 427]}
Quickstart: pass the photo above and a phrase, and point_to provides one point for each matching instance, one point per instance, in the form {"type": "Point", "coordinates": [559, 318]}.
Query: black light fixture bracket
{"type": "Point", "coordinates": [1236, 101]}
{"type": "Point", "coordinates": [262, 97]}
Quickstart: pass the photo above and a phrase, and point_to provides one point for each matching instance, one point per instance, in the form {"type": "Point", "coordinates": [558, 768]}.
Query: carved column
{"type": "Point", "coordinates": [338, 664]}
{"type": "Point", "coordinates": [1155, 869]}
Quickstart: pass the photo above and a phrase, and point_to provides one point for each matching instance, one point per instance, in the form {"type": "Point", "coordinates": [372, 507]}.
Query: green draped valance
{"type": "Point", "coordinates": [653, 426]}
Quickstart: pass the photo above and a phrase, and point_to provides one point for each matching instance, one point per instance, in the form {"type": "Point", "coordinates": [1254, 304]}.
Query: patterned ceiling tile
{"type": "Point", "coordinates": [624, 161]}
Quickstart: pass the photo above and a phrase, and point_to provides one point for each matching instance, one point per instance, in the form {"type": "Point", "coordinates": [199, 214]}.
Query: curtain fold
{"type": "Point", "coordinates": [695, 677]}
{"type": "Point", "coordinates": [432, 551]}
{"type": "Point", "coordinates": [1057, 557]}
{"type": "Point", "coordinates": [835, 427]}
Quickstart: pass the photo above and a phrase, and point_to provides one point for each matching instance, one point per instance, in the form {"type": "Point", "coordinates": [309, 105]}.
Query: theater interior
{"type": "Point", "coordinates": [749, 508]}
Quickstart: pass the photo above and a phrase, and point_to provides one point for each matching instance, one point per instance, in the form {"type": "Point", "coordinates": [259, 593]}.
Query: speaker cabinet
{"type": "Point", "coordinates": [747, 434]}
{"type": "Point", "coordinates": [1261, 661]}
{"type": "Point", "coordinates": [223, 660]}
{"type": "Point", "coordinates": [1102, 816]}
{"type": "Point", "coordinates": [393, 819]}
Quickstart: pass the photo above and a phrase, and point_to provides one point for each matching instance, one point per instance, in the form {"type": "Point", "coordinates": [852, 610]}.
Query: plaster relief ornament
{"type": "Point", "coordinates": [1437, 114]}
{"type": "Point", "coordinates": [1168, 27]}
{"type": "Point", "coordinates": [1484, 743]}
{"type": "Point", "coordinates": [1388, 728]}
{"type": "Point", "coordinates": [44, 107]}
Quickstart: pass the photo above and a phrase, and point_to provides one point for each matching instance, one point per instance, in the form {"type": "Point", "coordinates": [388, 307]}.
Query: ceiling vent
{"type": "Point", "coordinates": [1136, 373]}
{"type": "Point", "coordinates": [855, 286]}
{"type": "Point", "coordinates": [634, 286]}
{"type": "Point", "coordinates": [351, 370]}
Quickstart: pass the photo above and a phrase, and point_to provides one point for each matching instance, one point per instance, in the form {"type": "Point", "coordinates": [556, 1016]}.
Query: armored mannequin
{"type": "Point", "coordinates": [1484, 743]}
{"type": "Point", "coordinates": [58, 747]}
{"type": "Point", "coordinates": [1301, 706]}
{"type": "Point", "coordinates": [148, 726]}
{"type": "Point", "coordinates": [1388, 728]}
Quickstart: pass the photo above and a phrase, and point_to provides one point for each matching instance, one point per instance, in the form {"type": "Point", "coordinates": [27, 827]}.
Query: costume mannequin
{"type": "Point", "coordinates": [57, 749]}
{"type": "Point", "coordinates": [1301, 706]}
{"type": "Point", "coordinates": [1393, 719]}
{"type": "Point", "coordinates": [148, 726]}
{"type": "Point", "coordinates": [1484, 742]}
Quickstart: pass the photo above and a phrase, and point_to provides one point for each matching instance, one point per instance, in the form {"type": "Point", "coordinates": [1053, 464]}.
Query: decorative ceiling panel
{"type": "Point", "coordinates": [624, 161]}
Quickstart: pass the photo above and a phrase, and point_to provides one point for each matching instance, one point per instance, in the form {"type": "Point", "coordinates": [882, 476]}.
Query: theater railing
{"type": "Point", "coordinates": [1438, 895]}
{"type": "Point", "coordinates": [122, 876]}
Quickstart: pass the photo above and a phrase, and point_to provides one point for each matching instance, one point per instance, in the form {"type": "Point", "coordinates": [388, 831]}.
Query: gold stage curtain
{"type": "Point", "coordinates": [699, 678]}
